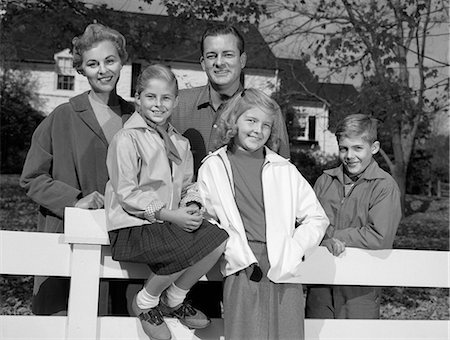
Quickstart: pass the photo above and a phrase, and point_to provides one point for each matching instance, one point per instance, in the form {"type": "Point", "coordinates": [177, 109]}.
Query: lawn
{"type": "Point", "coordinates": [425, 227]}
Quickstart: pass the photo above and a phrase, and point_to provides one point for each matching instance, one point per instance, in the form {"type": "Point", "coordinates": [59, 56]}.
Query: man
{"type": "Point", "coordinates": [222, 58]}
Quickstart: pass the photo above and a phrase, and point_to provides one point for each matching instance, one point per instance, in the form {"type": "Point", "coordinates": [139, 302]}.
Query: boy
{"type": "Point", "coordinates": [362, 202]}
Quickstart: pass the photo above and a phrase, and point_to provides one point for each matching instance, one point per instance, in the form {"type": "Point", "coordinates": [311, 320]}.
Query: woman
{"type": "Point", "coordinates": [66, 163]}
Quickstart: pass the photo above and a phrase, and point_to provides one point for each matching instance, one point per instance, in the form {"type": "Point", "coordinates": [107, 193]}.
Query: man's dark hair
{"type": "Point", "coordinates": [223, 29]}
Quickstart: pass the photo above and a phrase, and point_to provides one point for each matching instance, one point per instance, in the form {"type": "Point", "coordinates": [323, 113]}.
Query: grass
{"type": "Point", "coordinates": [426, 227]}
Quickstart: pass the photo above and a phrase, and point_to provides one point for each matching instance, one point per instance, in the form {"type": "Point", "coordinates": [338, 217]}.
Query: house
{"type": "Point", "coordinates": [45, 52]}
{"type": "Point", "coordinates": [155, 38]}
{"type": "Point", "coordinates": [308, 105]}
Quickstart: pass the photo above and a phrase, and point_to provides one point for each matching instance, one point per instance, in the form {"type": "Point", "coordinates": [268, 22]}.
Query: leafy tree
{"type": "Point", "coordinates": [18, 118]}
{"type": "Point", "coordinates": [57, 22]}
{"type": "Point", "coordinates": [374, 40]}
{"type": "Point", "coordinates": [377, 42]}
{"type": "Point", "coordinates": [29, 29]}
{"type": "Point", "coordinates": [248, 11]}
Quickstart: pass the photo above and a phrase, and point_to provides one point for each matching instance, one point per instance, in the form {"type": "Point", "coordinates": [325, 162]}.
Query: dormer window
{"type": "Point", "coordinates": [65, 71]}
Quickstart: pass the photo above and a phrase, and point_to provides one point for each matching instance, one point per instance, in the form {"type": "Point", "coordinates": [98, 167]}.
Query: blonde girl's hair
{"type": "Point", "coordinates": [240, 103]}
{"type": "Point", "coordinates": [156, 71]}
{"type": "Point", "coordinates": [359, 125]}
{"type": "Point", "coordinates": [93, 34]}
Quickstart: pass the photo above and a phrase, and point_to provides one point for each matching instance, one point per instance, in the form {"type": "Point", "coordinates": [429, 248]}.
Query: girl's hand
{"type": "Point", "coordinates": [94, 200]}
{"type": "Point", "coordinates": [334, 246]}
{"type": "Point", "coordinates": [187, 218]}
{"type": "Point", "coordinates": [194, 209]}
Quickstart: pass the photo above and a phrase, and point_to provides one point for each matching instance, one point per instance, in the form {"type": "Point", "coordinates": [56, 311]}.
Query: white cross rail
{"type": "Point", "coordinates": [83, 254]}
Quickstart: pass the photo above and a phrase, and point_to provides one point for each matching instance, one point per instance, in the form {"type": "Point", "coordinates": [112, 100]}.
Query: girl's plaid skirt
{"type": "Point", "coordinates": [165, 247]}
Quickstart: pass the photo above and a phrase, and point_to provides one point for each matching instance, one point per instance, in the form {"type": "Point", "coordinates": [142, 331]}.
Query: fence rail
{"type": "Point", "coordinates": [82, 254]}
{"type": "Point", "coordinates": [441, 189]}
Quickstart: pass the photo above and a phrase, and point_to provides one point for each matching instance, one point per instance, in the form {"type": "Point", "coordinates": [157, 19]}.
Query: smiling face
{"type": "Point", "coordinates": [157, 100]}
{"type": "Point", "coordinates": [222, 61]}
{"type": "Point", "coordinates": [254, 127]}
{"type": "Point", "coordinates": [101, 66]}
{"type": "Point", "coordinates": [356, 153]}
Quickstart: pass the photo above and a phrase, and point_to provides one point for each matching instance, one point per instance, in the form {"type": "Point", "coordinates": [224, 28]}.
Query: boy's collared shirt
{"type": "Point", "coordinates": [367, 214]}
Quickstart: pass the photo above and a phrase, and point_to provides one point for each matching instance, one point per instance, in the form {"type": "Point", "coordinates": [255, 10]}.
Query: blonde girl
{"type": "Point", "coordinates": [272, 217]}
{"type": "Point", "coordinates": [154, 214]}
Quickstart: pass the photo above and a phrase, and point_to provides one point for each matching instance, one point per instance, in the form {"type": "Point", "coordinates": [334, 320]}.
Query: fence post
{"type": "Point", "coordinates": [439, 194]}
{"type": "Point", "coordinates": [86, 232]}
{"type": "Point", "coordinates": [84, 289]}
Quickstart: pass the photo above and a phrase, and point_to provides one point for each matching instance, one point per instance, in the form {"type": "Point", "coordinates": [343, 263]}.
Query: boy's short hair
{"type": "Point", "coordinates": [360, 125]}
{"type": "Point", "coordinates": [223, 29]}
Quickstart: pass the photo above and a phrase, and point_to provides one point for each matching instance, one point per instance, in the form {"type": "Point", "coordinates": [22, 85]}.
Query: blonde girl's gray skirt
{"type": "Point", "coordinates": [259, 310]}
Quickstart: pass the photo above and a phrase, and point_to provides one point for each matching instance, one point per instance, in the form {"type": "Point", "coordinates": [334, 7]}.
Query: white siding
{"type": "Point", "coordinates": [190, 78]}
{"type": "Point", "coordinates": [46, 78]}
{"type": "Point", "coordinates": [264, 80]}
{"type": "Point", "coordinates": [326, 139]}
{"type": "Point", "coordinates": [188, 75]}
{"type": "Point", "coordinates": [330, 146]}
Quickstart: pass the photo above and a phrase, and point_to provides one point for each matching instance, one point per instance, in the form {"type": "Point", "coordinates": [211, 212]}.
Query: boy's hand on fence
{"type": "Point", "coordinates": [334, 246]}
{"type": "Point", "coordinates": [94, 200]}
{"type": "Point", "coordinates": [187, 218]}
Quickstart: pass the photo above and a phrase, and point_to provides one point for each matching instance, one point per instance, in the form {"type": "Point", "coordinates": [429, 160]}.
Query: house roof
{"type": "Point", "coordinates": [335, 93]}
{"type": "Point", "coordinates": [149, 37]}
{"type": "Point", "coordinates": [292, 72]}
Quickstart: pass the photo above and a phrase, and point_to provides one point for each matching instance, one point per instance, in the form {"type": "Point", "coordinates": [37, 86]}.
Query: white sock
{"type": "Point", "coordinates": [175, 295]}
{"type": "Point", "coordinates": [145, 301]}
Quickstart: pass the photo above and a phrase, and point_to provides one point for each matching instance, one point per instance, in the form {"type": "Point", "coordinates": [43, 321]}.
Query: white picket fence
{"type": "Point", "coordinates": [82, 254]}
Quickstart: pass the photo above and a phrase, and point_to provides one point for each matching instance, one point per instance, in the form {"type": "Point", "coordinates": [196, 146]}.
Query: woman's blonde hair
{"type": "Point", "coordinates": [93, 34]}
{"type": "Point", "coordinates": [240, 103]}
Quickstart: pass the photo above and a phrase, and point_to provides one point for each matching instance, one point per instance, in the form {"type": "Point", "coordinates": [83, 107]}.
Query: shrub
{"type": "Point", "coordinates": [311, 163]}
{"type": "Point", "coordinates": [18, 118]}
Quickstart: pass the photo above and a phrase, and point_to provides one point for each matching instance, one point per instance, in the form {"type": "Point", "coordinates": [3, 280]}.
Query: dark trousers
{"type": "Point", "coordinates": [207, 296]}
{"type": "Point", "coordinates": [51, 296]}
{"type": "Point", "coordinates": [343, 302]}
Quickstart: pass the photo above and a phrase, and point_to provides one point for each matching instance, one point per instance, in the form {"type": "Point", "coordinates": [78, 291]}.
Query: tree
{"type": "Point", "coordinates": [18, 118]}
{"type": "Point", "coordinates": [29, 29]}
{"type": "Point", "coordinates": [376, 41]}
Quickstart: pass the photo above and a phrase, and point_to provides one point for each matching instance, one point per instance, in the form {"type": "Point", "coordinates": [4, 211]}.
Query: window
{"type": "Point", "coordinates": [303, 125]}
{"type": "Point", "coordinates": [135, 70]}
{"type": "Point", "coordinates": [65, 82]}
{"type": "Point", "coordinates": [65, 71]}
